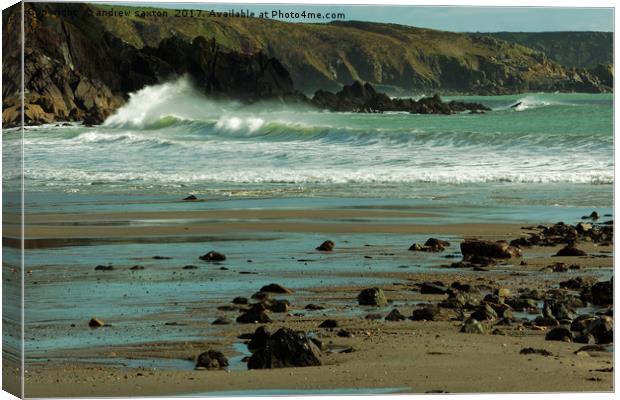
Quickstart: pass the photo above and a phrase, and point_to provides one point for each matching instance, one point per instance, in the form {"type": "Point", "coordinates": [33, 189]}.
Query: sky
{"type": "Point", "coordinates": [457, 18]}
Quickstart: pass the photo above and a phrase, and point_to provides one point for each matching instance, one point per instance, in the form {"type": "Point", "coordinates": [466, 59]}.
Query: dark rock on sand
{"type": "Point", "coordinates": [327, 245]}
{"type": "Point", "coordinates": [484, 312]}
{"type": "Point", "coordinates": [603, 293]}
{"type": "Point", "coordinates": [373, 316]}
{"type": "Point", "coordinates": [222, 321]}
{"type": "Point", "coordinates": [581, 323]}
{"type": "Point", "coordinates": [190, 267]}
{"type": "Point", "coordinates": [558, 310]}
{"type": "Point", "coordinates": [426, 313]}
{"type": "Point", "coordinates": [261, 296]}
{"type": "Point", "coordinates": [577, 283]}
{"type": "Point", "coordinates": [584, 339]}
{"type": "Point", "coordinates": [530, 350]}
{"type": "Point", "coordinates": [240, 300]}
{"type": "Point", "coordinates": [589, 348]}
{"type": "Point", "coordinates": [372, 297]}
{"type": "Point", "coordinates": [211, 359]}
{"type": "Point", "coordinates": [314, 307]}
{"type": "Point", "coordinates": [104, 268]}
{"type": "Point", "coordinates": [329, 323]}
{"type": "Point", "coordinates": [277, 305]}
{"type": "Point", "coordinates": [546, 321]}
{"type": "Point", "coordinates": [344, 333]}
{"type": "Point", "coordinates": [228, 307]}
{"type": "Point", "coordinates": [255, 314]}
{"type": "Point", "coordinates": [433, 288]}
{"type": "Point", "coordinates": [522, 303]}
{"type": "Point", "coordinates": [395, 315]}
{"type": "Point", "coordinates": [561, 333]}
{"type": "Point", "coordinates": [460, 300]}
{"type": "Point", "coordinates": [602, 329]}
{"type": "Point", "coordinates": [570, 251]}
{"type": "Point", "coordinates": [286, 348]}
{"type": "Point", "coordinates": [432, 245]}
{"type": "Point", "coordinates": [191, 197]}
{"type": "Point", "coordinates": [259, 338]}
{"type": "Point", "coordinates": [137, 268]}
{"type": "Point", "coordinates": [213, 256]}
{"type": "Point", "coordinates": [276, 288]}
{"type": "Point", "coordinates": [488, 248]}
{"type": "Point", "coordinates": [593, 216]}
{"type": "Point", "coordinates": [473, 326]}
{"type": "Point", "coordinates": [96, 323]}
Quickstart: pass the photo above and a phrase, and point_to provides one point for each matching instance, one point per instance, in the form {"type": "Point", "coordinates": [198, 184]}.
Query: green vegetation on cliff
{"type": "Point", "coordinates": [392, 57]}
{"type": "Point", "coordinates": [571, 49]}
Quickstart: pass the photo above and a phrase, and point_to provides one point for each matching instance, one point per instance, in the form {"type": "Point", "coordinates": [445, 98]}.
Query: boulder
{"type": "Point", "coordinates": [433, 288]}
{"type": "Point", "coordinates": [488, 248]}
{"type": "Point", "coordinates": [213, 256]}
{"type": "Point", "coordinates": [473, 326]}
{"type": "Point", "coordinates": [277, 305]}
{"type": "Point", "coordinates": [431, 245]}
{"type": "Point", "coordinates": [602, 329]}
{"type": "Point", "coordinates": [372, 297]}
{"type": "Point", "coordinates": [286, 348]}
{"type": "Point", "coordinates": [96, 323]}
{"type": "Point", "coordinates": [570, 251]}
{"type": "Point", "coordinates": [603, 293]}
{"type": "Point", "coordinates": [259, 338]}
{"type": "Point", "coordinates": [395, 315]}
{"type": "Point", "coordinates": [211, 359]}
{"type": "Point", "coordinates": [276, 288]}
{"type": "Point", "coordinates": [256, 313]}
{"type": "Point", "coordinates": [314, 307]}
{"type": "Point", "coordinates": [484, 312]}
{"type": "Point", "coordinates": [561, 333]}
{"type": "Point", "coordinates": [327, 245]}
{"type": "Point", "coordinates": [240, 300]}
{"type": "Point", "coordinates": [577, 283]}
{"type": "Point", "coordinates": [329, 323]}
{"type": "Point", "coordinates": [581, 323]}
{"type": "Point", "coordinates": [222, 321]}
{"type": "Point", "coordinates": [104, 268]}
{"type": "Point", "coordinates": [427, 313]}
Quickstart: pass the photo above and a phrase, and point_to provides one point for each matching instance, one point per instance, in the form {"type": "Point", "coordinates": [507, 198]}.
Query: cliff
{"type": "Point", "coordinates": [80, 64]}
{"type": "Point", "coordinates": [571, 49]}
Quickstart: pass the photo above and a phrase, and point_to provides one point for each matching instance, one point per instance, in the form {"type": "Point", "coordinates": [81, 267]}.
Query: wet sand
{"type": "Point", "coordinates": [406, 356]}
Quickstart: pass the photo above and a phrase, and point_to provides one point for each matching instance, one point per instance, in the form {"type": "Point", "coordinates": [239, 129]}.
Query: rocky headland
{"type": "Point", "coordinates": [81, 67]}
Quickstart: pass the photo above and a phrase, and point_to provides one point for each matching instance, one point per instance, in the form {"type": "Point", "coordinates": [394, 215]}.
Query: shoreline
{"type": "Point", "coordinates": [406, 356]}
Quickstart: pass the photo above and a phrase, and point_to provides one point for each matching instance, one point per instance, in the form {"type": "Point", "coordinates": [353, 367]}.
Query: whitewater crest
{"type": "Point", "coordinates": [161, 105]}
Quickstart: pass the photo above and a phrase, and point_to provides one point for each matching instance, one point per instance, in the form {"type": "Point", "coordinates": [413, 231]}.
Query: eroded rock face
{"type": "Point", "coordinates": [76, 70]}
{"type": "Point", "coordinates": [286, 348]}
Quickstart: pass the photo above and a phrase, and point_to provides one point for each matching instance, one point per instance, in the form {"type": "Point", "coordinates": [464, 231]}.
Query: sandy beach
{"type": "Point", "coordinates": [378, 356]}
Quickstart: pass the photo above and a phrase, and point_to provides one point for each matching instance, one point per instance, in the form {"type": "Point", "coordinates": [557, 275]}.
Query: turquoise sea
{"type": "Point", "coordinates": [551, 149]}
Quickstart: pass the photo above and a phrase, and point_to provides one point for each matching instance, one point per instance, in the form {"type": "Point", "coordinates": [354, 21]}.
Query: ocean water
{"type": "Point", "coordinates": [169, 140]}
